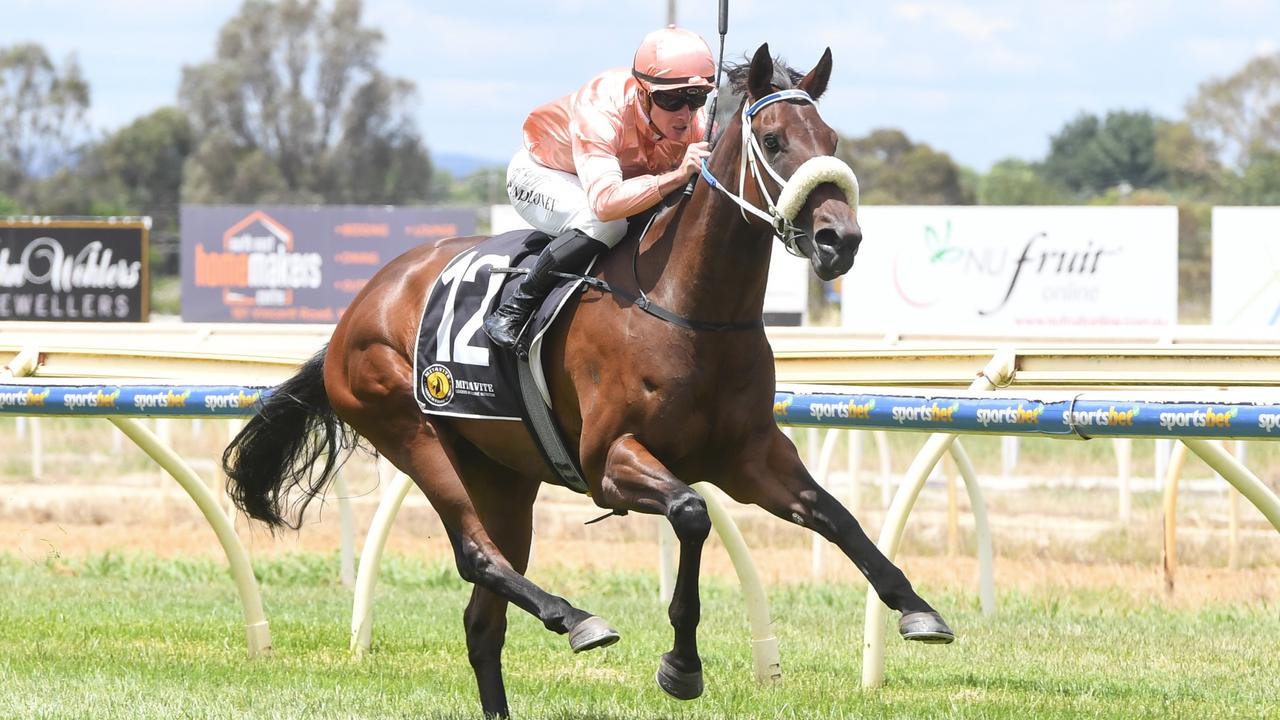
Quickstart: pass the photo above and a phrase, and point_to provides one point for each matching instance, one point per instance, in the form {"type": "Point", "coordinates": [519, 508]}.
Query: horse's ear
{"type": "Point", "coordinates": [815, 83]}
{"type": "Point", "coordinates": [760, 78]}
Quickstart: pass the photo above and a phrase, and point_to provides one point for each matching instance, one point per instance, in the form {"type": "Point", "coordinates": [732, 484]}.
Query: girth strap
{"type": "Point", "coordinates": [644, 303]}
{"type": "Point", "coordinates": [546, 434]}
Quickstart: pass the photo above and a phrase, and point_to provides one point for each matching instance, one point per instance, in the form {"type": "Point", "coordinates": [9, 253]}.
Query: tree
{"type": "Point", "coordinates": [294, 109]}
{"type": "Point", "coordinates": [1240, 114]}
{"type": "Point", "coordinates": [1188, 162]}
{"type": "Point", "coordinates": [1259, 184]}
{"type": "Point", "coordinates": [1018, 182]}
{"type": "Point", "coordinates": [1126, 143]}
{"type": "Point", "coordinates": [1090, 156]}
{"type": "Point", "coordinates": [140, 165]}
{"type": "Point", "coordinates": [42, 115]}
{"type": "Point", "coordinates": [893, 170]}
{"type": "Point", "coordinates": [1071, 161]}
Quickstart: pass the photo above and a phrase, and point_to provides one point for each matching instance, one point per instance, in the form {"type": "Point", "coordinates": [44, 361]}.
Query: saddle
{"type": "Point", "coordinates": [459, 372]}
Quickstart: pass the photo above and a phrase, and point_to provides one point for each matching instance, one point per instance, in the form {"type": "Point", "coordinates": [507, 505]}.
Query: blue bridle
{"type": "Point", "coordinates": [753, 157]}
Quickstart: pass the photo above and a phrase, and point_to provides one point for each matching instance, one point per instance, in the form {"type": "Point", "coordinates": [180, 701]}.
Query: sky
{"type": "Point", "coordinates": [978, 80]}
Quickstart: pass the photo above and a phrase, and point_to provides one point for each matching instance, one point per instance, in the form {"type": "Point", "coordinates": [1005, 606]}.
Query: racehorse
{"type": "Point", "coordinates": [650, 404]}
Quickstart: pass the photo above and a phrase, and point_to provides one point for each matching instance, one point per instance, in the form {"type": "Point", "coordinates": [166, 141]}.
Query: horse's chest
{"type": "Point", "coordinates": [695, 407]}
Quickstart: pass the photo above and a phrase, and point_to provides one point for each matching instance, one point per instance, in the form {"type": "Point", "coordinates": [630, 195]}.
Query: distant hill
{"type": "Point", "coordinates": [459, 165]}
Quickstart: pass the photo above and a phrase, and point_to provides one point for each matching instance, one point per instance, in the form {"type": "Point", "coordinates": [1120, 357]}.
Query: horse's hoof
{"type": "Point", "coordinates": [592, 633]}
{"type": "Point", "coordinates": [926, 627]}
{"type": "Point", "coordinates": [677, 683]}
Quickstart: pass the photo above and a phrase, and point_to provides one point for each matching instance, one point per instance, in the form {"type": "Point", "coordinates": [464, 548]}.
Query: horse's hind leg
{"type": "Point", "coordinates": [485, 621]}
{"type": "Point", "coordinates": [479, 558]}
{"type": "Point", "coordinates": [777, 481]}
{"type": "Point", "coordinates": [380, 407]}
{"type": "Point", "coordinates": [510, 524]}
{"type": "Point", "coordinates": [635, 480]}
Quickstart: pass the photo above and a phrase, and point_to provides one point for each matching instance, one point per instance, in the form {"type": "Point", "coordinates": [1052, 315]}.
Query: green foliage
{"type": "Point", "coordinates": [1260, 182]}
{"type": "Point", "coordinates": [1090, 156]}
{"type": "Point", "coordinates": [486, 186]}
{"type": "Point", "coordinates": [1239, 115]}
{"type": "Point", "coordinates": [1017, 182]}
{"type": "Point", "coordinates": [1190, 165]}
{"type": "Point", "coordinates": [42, 114]}
{"type": "Point", "coordinates": [294, 109]}
{"type": "Point", "coordinates": [141, 165]}
{"type": "Point", "coordinates": [893, 170]}
{"type": "Point", "coordinates": [9, 206]}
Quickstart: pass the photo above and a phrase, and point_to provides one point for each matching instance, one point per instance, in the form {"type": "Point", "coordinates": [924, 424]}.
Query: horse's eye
{"type": "Point", "coordinates": [771, 143]}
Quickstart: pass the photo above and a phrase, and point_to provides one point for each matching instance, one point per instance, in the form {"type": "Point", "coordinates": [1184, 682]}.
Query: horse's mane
{"type": "Point", "coordinates": [785, 77]}
{"type": "Point", "coordinates": [734, 89]}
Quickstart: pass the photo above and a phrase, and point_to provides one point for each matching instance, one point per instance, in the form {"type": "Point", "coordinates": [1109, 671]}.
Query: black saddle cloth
{"type": "Point", "coordinates": [459, 371]}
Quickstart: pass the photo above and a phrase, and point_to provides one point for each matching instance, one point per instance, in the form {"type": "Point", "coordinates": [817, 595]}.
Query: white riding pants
{"type": "Point", "coordinates": [554, 201]}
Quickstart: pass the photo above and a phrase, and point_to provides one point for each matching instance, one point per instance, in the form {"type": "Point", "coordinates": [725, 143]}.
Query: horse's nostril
{"type": "Point", "coordinates": [827, 237]}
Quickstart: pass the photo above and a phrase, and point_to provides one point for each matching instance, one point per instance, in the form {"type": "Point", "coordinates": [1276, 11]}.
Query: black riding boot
{"type": "Point", "coordinates": [569, 252]}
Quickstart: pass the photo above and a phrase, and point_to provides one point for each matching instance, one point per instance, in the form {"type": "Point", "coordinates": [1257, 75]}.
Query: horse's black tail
{"type": "Point", "coordinates": [276, 450]}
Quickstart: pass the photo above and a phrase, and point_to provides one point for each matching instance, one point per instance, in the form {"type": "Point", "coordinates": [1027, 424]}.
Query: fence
{"type": "Point", "coordinates": [1131, 406]}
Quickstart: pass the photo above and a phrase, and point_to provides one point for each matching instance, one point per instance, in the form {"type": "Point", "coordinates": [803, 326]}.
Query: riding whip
{"type": "Point", "coordinates": [711, 114]}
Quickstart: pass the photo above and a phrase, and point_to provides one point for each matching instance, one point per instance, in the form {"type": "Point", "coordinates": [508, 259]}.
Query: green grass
{"type": "Point", "coordinates": [113, 636]}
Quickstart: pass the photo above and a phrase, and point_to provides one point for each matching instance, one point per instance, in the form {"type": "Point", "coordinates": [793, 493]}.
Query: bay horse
{"type": "Point", "coordinates": [649, 405]}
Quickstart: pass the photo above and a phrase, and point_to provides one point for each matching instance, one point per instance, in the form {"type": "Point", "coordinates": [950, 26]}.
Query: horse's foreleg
{"type": "Point", "coordinates": [783, 486]}
{"type": "Point", "coordinates": [635, 480]}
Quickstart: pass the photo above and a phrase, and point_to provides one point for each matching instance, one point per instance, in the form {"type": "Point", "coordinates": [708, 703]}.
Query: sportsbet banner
{"type": "Point", "coordinates": [81, 270]}
{"type": "Point", "coordinates": [296, 264]}
{"type": "Point", "coordinates": [961, 267]}
{"type": "Point", "coordinates": [1066, 414]}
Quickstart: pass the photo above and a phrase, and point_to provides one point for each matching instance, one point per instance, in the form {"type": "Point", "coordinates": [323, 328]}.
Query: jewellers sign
{"type": "Point", "coordinates": [83, 270]}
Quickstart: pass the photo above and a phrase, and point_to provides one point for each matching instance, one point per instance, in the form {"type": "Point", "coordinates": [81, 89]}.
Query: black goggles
{"type": "Point", "coordinates": [673, 100]}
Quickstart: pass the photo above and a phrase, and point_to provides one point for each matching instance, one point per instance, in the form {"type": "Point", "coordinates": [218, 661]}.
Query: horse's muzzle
{"type": "Point", "coordinates": [833, 248]}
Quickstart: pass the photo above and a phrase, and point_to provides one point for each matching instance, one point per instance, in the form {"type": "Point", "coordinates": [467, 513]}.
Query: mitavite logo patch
{"type": "Point", "coordinates": [437, 385]}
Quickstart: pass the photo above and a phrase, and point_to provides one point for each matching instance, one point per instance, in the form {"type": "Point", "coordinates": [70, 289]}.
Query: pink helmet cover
{"type": "Point", "coordinates": [673, 58]}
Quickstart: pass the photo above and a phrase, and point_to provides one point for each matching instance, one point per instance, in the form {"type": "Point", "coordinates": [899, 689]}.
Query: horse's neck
{"type": "Point", "coordinates": [718, 262]}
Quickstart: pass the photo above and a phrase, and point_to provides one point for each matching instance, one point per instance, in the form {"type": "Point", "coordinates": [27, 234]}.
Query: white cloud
{"type": "Point", "coordinates": [955, 18]}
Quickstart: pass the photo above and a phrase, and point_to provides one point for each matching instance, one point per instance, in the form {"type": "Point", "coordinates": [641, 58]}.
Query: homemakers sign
{"type": "Point", "coordinates": [295, 264]}
{"type": "Point", "coordinates": [1013, 267]}
{"type": "Point", "coordinates": [83, 270]}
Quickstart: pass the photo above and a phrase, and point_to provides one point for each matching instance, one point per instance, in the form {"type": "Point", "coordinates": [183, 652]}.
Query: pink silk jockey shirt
{"type": "Point", "coordinates": [602, 134]}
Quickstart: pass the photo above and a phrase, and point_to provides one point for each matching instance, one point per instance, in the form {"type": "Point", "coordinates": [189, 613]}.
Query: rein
{"type": "Point", "coordinates": [642, 301]}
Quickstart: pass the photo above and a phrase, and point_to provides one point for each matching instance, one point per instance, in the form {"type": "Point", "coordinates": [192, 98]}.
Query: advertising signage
{"type": "Point", "coordinates": [1013, 267]}
{"type": "Point", "coordinates": [1246, 266]}
{"type": "Point", "coordinates": [296, 264]}
{"type": "Point", "coordinates": [91, 270]}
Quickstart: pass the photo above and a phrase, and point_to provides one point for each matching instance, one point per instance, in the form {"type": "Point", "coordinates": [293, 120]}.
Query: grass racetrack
{"type": "Point", "coordinates": [140, 635]}
{"type": "Point", "coordinates": [116, 601]}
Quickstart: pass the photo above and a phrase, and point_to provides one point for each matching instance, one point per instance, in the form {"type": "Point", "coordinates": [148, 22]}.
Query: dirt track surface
{"type": "Point", "coordinates": [1141, 584]}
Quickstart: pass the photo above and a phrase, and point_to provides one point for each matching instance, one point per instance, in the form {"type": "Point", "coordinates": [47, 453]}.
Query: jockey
{"type": "Point", "coordinates": [611, 150]}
